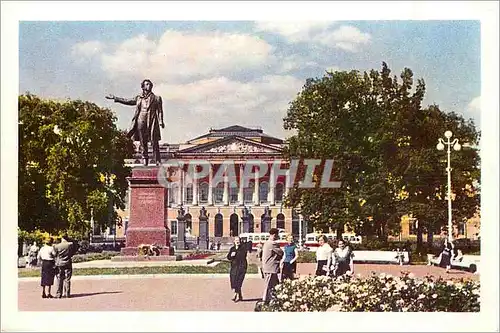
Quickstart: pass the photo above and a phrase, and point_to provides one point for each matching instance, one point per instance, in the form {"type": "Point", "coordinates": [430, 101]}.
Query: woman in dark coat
{"type": "Point", "coordinates": [237, 255]}
{"type": "Point", "coordinates": [445, 260]}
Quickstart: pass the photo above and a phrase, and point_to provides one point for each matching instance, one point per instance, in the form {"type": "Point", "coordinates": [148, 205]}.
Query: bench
{"type": "Point", "coordinates": [381, 256]}
{"type": "Point", "coordinates": [467, 262]}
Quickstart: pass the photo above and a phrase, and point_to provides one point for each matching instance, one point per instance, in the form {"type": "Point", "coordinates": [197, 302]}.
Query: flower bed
{"type": "Point", "coordinates": [105, 255]}
{"type": "Point", "coordinates": [377, 293]}
{"type": "Point", "coordinates": [197, 255]}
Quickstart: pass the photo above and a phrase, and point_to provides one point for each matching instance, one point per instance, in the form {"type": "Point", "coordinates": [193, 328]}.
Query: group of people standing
{"type": "Point", "coordinates": [334, 262]}
{"type": "Point", "coordinates": [273, 260]}
{"type": "Point", "coordinates": [276, 260]}
{"type": "Point", "coordinates": [56, 260]}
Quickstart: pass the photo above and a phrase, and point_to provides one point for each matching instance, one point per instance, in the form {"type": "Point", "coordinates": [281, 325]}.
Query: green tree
{"type": "Point", "coordinates": [383, 144]}
{"type": "Point", "coordinates": [71, 159]}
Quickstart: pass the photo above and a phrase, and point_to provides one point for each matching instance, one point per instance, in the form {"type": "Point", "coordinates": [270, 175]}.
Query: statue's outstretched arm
{"type": "Point", "coordinates": [125, 101]}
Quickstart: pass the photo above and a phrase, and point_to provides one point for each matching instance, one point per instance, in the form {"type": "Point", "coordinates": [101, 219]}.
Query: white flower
{"type": "Point", "coordinates": [286, 304]}
{"type": "Point", "coordinates": [434, 295]}
{"type": "Point", "coordinates": [421, 296]}
{"type": "Point", "coordinates": [449, 283]}
{"type": "Point", "coordinates": [382, 275]}
{"type": "Point", "coordinates": [57, 130]}
{"type": "Point", "coordinates": [411, 275]}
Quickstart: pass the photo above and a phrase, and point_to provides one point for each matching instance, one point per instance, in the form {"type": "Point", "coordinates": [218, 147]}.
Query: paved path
{"type": "Point", "coordinates": [176, 292]}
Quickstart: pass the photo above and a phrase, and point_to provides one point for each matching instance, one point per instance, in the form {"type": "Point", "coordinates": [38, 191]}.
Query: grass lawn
{"type": "Point", "coordinates": [221, 268]}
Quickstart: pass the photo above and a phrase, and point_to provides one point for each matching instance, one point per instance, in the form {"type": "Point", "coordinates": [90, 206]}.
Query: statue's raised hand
{"type": "Point", "coordinates": [110, 96]}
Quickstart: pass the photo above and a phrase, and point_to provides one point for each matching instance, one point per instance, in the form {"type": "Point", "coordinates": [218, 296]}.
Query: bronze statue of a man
{"type": "Point", "coordinates": [147, 119]}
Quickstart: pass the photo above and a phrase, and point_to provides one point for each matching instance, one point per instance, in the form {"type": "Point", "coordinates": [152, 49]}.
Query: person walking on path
{"type": "Point", "coordinates": [271, 258]}
{"type": "Point", "coordinates": [33, 255]}
{"type": "Point", "coordinates": [64, 252]}
{"type": "Point", "coordinates": [342, 259]}
{"type": "Point", "coordinates": [47, 256]}
{"type": "Point", "coordinates": [237, 255]}
{"type": "Point", "coordinates": [323, 256]}
{"type": "Point", "coordinates": [289, 261]}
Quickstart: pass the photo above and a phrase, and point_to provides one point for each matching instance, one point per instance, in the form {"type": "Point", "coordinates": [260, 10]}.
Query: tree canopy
{"type": "Point", "coordinates": [383, 143]}
{"type": "Point", "coordinates": [71, 161]}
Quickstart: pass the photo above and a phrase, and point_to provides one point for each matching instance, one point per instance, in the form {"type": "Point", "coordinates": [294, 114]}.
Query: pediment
{"type": "Point", "coordinates": [234, 145]}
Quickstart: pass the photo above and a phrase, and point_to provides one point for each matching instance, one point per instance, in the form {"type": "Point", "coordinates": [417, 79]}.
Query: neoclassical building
{"type": "Point", "coordinates": [227, 203]}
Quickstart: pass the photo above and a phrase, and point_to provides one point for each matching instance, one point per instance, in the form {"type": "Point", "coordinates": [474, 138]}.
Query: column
{"type": "Point", "coordinates": [195, 191]}
{"type": "Point", "coordinates": [240, 191]}
{"type": "Point", "coordinates": [210, 189]}
{"type": "Point", "coordinates": [225, 196]}
{"type": "Point", "coordinates": [272, 186]}
{"type": "Point", "coordinates": [255, 198]}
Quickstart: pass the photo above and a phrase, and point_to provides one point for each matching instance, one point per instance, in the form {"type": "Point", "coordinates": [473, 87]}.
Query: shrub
{"type": "Point", "coordinates": [306, 257]}
{"type": "Point", "coordinates": [377, 293]}
{"type": "Point", "coordinates": [105, 255]}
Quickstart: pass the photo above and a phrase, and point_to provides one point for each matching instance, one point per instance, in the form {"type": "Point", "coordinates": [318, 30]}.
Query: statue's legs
{"type": "Point", "coordinates": [142, 127]}
{"type": "Point", "coordinates": [156, 152]}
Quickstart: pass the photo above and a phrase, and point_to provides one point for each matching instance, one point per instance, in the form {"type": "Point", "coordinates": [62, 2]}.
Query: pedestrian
{"type": "Point", "coordinates": [47, 256]}
{"type": "Point", "coordinates": [64, 252]}
{"type": "Point", "coordinates": [218, 245]}
{"type": "Point", "coordinates": [259, 257]}
{"type": "Point", "coordinates": [323, 256]}
{"type": "Point", "coordinates": [342, 259]}
{"type": "Point", "coordinates": [289, 261]}
{"type": "Point", "coordinates": [271, 258]}
{"type": "Point", "coordinates": [237, 255]}
{"type": "Point", "coordinates": [446, 253]}
{"type": "Point", "coordinates": [33, 255]}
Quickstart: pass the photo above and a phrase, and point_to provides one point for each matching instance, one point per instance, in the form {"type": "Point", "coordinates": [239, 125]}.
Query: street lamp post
{"type": "Point", "coordinates": [457, 147]}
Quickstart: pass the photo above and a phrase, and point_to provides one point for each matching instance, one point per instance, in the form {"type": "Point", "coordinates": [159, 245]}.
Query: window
{"type": "Point", "coordinates": [250, 223]}
{"type": "Point", "coordinates": [173, 227]}
{"type": "Point", "coordinates": [461, 228]}
{"type": "Point", "coordinates": [173, 193]}
{"type": "Point", "coordinates": [413, 226]}
{"type": "Point", "coordinates": [278, 192]}
{"type": "Point", "coordinates": [233, 224]}
{"type": "Point", "coordinates": [218, 225]}
{"type": "Point", "coordinates": [280, 221]}
{"type": "Point", "coordinates": [204, 192]}
{"type": "Point", "coordinates": [219, 193]}
{"type": "Point", "coordinates": [295, 225]}
{"type": "Point", "coordinates": [248, 193]}
{"type": "Point", "coordinates": [263, 191]}
{"type": "Point", "coordinates": [189, 193]}
{"type": "Point", "coordinates": [265, 222]}
{"type": "Point", "coordinates": [189, 222]}
{"type": "Point", "coordinates": [233, 194]}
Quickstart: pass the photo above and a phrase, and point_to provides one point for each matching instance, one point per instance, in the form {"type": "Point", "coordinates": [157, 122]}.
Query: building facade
{"type": "Point", "coordinates": [230, 200]}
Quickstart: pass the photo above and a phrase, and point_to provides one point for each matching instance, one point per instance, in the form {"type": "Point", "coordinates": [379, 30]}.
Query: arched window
{"type": "Point", "coordinates": [173, 227]}
{"type": "Point", "coordinates": [218, 225]}
{"type": "Point", "coordinates": [203, 194]}
{"type": "Point", "coordinates": [280, 221]}
{"type": "Point", "coordinates": [250, 223]}
{"type": "Point", "coordinates": [189, 193]}
{"type": "Point", "coordinates": [265, 223]}
{"type": "Point", "coordinates": [248, 192]}
{"type": "Point", "coordinates": [233, 224]}
{"type": "Point", "coordinates": [278, 192]}
{"type": "Point", "coordinates": [189, 222]}
{"type": "Point", "coordinates": [263, 191]}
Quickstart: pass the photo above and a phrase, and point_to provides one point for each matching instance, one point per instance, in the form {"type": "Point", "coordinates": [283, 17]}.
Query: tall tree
{"type": "Point", "coordinates": [383, 144]}
{"type": "Point", "coordinates": [71, 160]}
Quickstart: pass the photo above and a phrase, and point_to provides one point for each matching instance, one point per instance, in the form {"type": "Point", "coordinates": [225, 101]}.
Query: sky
{"type": "Point", "coordinates": [213, 74]}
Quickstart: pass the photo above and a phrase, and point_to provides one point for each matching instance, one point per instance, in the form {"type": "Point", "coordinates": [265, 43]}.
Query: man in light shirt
{"type": "Point", "coordinates": [64, 252]}
{"type": "Point", "coordinates": [271, 258]}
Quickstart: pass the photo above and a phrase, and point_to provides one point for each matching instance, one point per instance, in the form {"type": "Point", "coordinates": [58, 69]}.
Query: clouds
{"type": "Point", "coordinates": [345, 37]}
{"type": "Point", "coordinates": [183, 55]}
{"type": "Point", "coordinates": [475, 105]}
{"type": "Point", "coordinates": [86, 50]}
